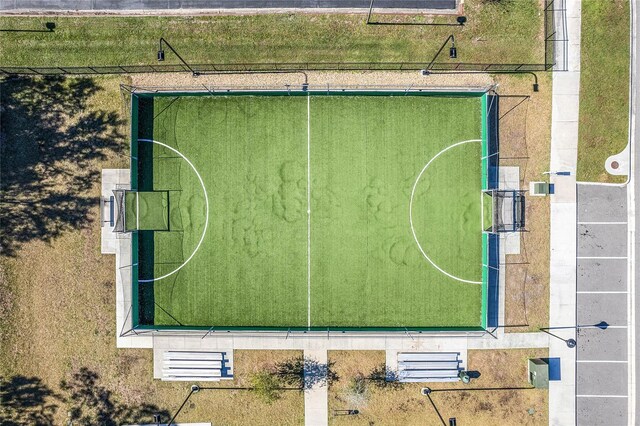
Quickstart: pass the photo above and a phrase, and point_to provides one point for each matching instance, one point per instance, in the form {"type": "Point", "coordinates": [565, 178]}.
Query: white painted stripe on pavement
{"type": "Point", "coordinates": [602, 223]}
{"type": "Point", "coordinates": [601, 257]}
{"type": "Point", "coordinates": [601, 396]}
{"type": "Point", "coordinates": [602, 361]}
{"type": "Point", "coordinates": [601, 292]}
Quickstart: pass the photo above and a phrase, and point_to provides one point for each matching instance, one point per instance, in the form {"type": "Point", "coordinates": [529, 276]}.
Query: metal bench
{"type": "Point", "coordinates": [428, 366]}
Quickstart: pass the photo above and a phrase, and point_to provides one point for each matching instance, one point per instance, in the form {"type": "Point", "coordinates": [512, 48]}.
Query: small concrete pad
{"type": "Point", "coordinates": [602, 240]}
{"type": "Point", "coordinates": [602, 274]}
{"type": "Point", "coordinates": [595, 307]}
{"type": "Point", "coordinates": [602, 345]}
{"type": "Point", "coordinates": [509, 177]}
{"type": "Point", "coordinates": [602, 411]}
{"type": "Point", "coordinates": [602, 203]}
{"type": "Point", "coordinates": [602, 378]}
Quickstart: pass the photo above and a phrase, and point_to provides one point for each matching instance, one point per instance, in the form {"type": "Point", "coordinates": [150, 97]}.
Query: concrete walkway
{"type": "Point", "coordinates": [316, 388]}
{"type": "Point", "coordinates": [564, 152]}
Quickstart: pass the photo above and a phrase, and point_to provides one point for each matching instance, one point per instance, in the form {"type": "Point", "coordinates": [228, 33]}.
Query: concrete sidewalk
{"type": "Point", "coordinates": [564, 152]}
{"type": "Point", "coordinates": [317, 394]}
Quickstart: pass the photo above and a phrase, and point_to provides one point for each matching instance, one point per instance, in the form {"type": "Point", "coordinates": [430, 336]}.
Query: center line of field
{"type": "Point", "coordinates": [308, 210]}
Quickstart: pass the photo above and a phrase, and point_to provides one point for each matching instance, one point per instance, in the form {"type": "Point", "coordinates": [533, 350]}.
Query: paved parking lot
{"type": "Point", "coordinates": [601, 358]}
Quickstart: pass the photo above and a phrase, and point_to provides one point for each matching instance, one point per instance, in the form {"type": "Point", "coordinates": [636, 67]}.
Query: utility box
{"type": "Point", "coordinates": [539, 373]}
{"type": "Point", "coordinates": [541, 189]}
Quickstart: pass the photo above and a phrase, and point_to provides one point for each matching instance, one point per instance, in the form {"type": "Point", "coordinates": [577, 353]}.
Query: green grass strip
{"type": "Point", "coordinates": [498, 32]}
{"type": "Point", "coordinates": [604, 87]}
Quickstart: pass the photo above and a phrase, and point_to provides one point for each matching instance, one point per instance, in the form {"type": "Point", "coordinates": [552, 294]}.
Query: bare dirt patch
{"type": "Point", "coordinates": [525, 140]}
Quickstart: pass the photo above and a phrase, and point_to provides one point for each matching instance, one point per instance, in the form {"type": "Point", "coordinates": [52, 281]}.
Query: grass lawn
{"type": "Point", "coordinates": [355, 160]}
{"type": "Point", "coordinates": [502, 32]}
{"type": "Point", "coordinates": [405, 405]}
{"type": "Point", "coordinates": [604, 87]}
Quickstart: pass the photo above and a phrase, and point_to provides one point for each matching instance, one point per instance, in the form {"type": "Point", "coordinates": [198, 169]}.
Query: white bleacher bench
{"type": "Point", "coordinates": [424, 367]}
{"type": "Point", "coordinates": [430, 356]}
{"type": "Point", "coordinates": [193, 365]}
{"type": "Point", "coordinates": [429, 365]}
{"type": "Point", "coordinates": [212, 356]}
{"type": "Point", "coordinates": [196, 363]}
{"type": "Point", "coordinates": [199, 372]}
{"type": "Point", "coordinates": [428, 373]}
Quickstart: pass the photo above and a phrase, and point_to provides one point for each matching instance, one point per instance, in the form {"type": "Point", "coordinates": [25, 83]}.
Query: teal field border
{"type": "Point", "coordinates": [484, 153]}
{"type": "Point", "coordinates": [135, 309]}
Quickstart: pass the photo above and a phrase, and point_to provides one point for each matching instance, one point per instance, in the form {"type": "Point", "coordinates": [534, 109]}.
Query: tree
{"type": "Point", "coordinates": [357, 392]}
{"type": "Point", "coordinates": [384, 379]}
{"type": "Point", "coordinates": [292, 372]}
{"type": "Point", "coordinates": [266, 386]}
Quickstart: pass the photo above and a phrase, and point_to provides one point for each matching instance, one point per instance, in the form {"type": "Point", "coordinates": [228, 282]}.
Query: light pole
{"type": "Point", "coordinates": [194, 389]}
{"type": "Point", "coordinates": [427, 392]}
{"type": "Point", "coordinates": [571, 343]}
{"type": "Point", "coordinates": [161, 56]}
{"type": "Point", "coordinates": [453, 53]}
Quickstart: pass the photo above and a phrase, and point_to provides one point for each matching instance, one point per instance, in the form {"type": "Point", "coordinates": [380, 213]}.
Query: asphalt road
{"type": "Point", "coordinates": [124, 5]}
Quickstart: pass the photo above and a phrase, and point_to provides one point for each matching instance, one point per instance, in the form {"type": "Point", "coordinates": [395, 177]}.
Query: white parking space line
{"type": "Point", "coordinates": [602, 361]}
{"type": "Point", "coordinates": [601, 257]}
{"type": "Point", "coordinates": [601, 396]}
{"type": "Point", "coordinates": [601, 292]}
{"type": "Point", "coordinates": [602, 223]}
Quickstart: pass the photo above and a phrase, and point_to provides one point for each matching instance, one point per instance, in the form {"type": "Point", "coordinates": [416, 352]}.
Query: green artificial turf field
{"type": "Point", "coordinates": [323, 211]}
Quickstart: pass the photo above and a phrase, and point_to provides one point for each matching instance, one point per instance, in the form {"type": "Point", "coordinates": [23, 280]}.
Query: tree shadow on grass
{"type": "Point", "coordinates": [51, 142]}
{"type": "Point", "coordinates": [292, 372]}
{"type": "Point", "coordinates": [90, 403]}
{"type": "Point", "coordinates": [25, 401]}
{"type": "Point", "coordinates": [384, 378]}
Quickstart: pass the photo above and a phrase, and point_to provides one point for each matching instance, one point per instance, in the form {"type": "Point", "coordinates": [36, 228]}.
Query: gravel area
{"type": "Point", "coordinates": [316, 80]}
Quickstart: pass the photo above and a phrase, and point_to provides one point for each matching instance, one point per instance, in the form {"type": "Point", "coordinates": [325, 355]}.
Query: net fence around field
{"type": "Point", "coordinates": [147, 210]}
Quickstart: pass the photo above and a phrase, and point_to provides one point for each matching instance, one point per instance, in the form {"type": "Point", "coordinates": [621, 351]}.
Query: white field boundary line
{"type": "Point", "coordinates": [309, 211]}
{"type": "Point", "coordinates": [206, 200]}
{"type": "Point", "coordinates": [413, 231]}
